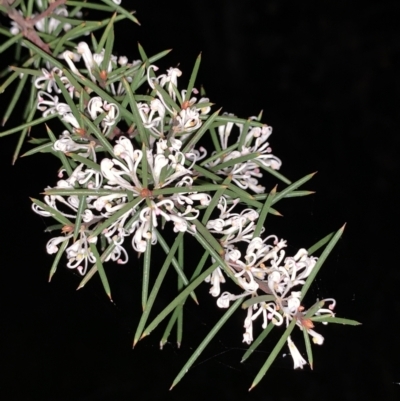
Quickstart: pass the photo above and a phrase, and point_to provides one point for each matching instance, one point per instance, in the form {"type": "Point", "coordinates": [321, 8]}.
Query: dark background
{"type": "Point", "coordinates": [326, 75]}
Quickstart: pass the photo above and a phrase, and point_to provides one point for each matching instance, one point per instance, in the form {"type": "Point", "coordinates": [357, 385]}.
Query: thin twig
{"type": "Point", "coordinates": [27, 25]}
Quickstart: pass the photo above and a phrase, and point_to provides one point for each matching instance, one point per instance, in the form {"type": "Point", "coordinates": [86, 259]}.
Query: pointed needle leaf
{"type": "Point", "coordinates": [279, 345]}
{"type": "Point", "coordinates": [264, 212]}
{"type": "Point", "coordinates": [193, 77]}
{"type": "Point", "coordinates": [100, 269]}
{"type": "Point", "coordinates": [179, 299]}
{"type": "Point", "coordinates": [206, 341]}
{"type": "Point", "coordinates": [57, 259]}
{"type": "Point", "coordinates": [254, 345]}
{"type": "Point", "coordinates": [321, 261]}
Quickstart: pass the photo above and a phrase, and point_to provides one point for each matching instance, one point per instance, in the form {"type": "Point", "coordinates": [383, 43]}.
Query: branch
{"type": "Point", "coordinates": [28, 25]}
{"type": "Point", "coordinates": [47, 12]}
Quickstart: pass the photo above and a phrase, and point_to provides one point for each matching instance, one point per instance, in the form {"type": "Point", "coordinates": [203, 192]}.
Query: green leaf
{"type": "Point", "coordinates": [76, 32]}
{"type": "Point", "coordinates": [213, 247]}
{"type": "Point", "coordinates": [233, 119]}
{"type": "Point", "coordinates": [83, 192]}
{"type": "Point", "coordinates": [104, 38]}
{"type": "Point", "coordinates": [60, 154]}
{"type": "Point", "coordinates": [28, 124]}
{"type": "Point", "coordinates": [142, 53]}
{"type": "Point", "coordinates": [10, 42]}
{"type": "Point", "coordinates": [193, 77]}
{"type": "Point", "coordinates": [318, 305]}
{"type": "Point", "coordinates": [273, 172]}
{"type": "Point", "coordinates": [176, 312]}
{"type": "Point", "coordinates": [204, 172]}
{"type": "Point", "coordinates": [178, 300]}
{"type": "Point", "coordinates": [81, 208]}
{"type": "Point", "coordinates": [215, 141]}
{"type": "Point", "coordinates": [135, 81]}
{"type": "Point", "coordinates": [170, 324]}
{"type": "Point", "coordinates": [130, 206]}
{"type": "Point", "coordinates": [53, 227]}
{"type": "Point", "coordinates": [105, 143]}
{"type": "Point", "coordinates": [206, 341]}
{"type": "Point", "coordinates": [186, 189]}
{"type": "Point", "coordinates": [200, 132]}
{"type": "Point", "coordinates": [105, 96]}
{"type": "Point", "coordinates": [166, 97]}
{"type": "Point", "coordinates": [83, 95]}
{"type": "Point", "coordinates": [57, 259]}
{"type": "Point", "coordinates": [254, 345]}
{"type": "Point", "coordinates": [321, 261]}
{"type": "Point", "coordinates": [179, 308]}
{"type": "Point", "coordinates": [200, 265]}
{"type": "Point", "coordinates": [15, 98]}
{"type": "Point", "coordinates": [279, 345]}
{"type": "Point", "coordinates": [135, 111]}
{"type": "Point", "coordinates": [121, 10]}
{"type": "Point", "coordinates": [237, 160]}
{"type": "Point", "coordinates": [294, 194]}
{"type": "Point", "coordinates": [100, 269]}
{"type": "Point", "coordinates": [215, 200]}
{"type": "Point", "coordinates": [177, 266]}
{"type": "Point", "coordinates": [294, 186]}
{"type": "Point", "coordinates": [146, 265]}
{"type": "Point", "coordinates": [243, 134]}
{"type": "Point", "coordinates": [244, 196]}
{"type": "Point", "coordinates": [331, 319]}
{"type": "Point", "coordinates": [53, 212]}
{"type": "Point", "coordinates": [308, 348]}
{"type": "Point", "coordinates": [256, 300]}
{"type": "Point", "coordinates": [263, 214]}
{"type": "Point", "coordinates": [67, 97]}
{"type": "Point", "coordinates": [24, 132]}
{"type": "Point", "coordinates": [105, 254]}
{"type": "Point", "coordinates": [320, 243]}
{"type": "Point", "coordinates": [46, 56]}
{"type": "Point", "coordinates": [87, 162]}
{"type": "Point", "coordinates": [93, 6]}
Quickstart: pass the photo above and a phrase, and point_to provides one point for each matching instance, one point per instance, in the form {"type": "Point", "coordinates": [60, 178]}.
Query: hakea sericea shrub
{"type": "Point", "coordinates": [139, 153]}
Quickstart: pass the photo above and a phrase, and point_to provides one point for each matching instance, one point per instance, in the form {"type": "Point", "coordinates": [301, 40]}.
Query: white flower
{"type": "Point", "coordinates": [226, 297]}
{"type": "Point", "coordinates": [47, 103]}
{"type": "Point", "coordinates": [171, 80]}
{"type": "Point", "coordinates": [70, 119]}
{"type": "Point", "coordinates": [187, 120]}
{"type": "Point", "coordinates": [66, 144]}
{"type": "Point", "coordinates": [316, 337]}
{"type": "Point", "coordinates": [47, 80]}
{"type": "Point", "coordinates": [215, 278]}
{"type": "Point", "coordinates": [52, 244]}
{"type": "Point", "coordinates": [83, 49]}
{"type": "Point", "coordinates": [142, 235]}
{"type": "Point", "coordinates": [122, 60]}
{"type": "Point", "coordinates": [298, 360]}
{"type": "Point", "coordinates": [70, 58]}
{"type": "Point", "coordinates": [248, 325]}
{"type": "Point", "coordinates": [224, 132]}
{"type": "Point", "coordinates": [79, 251]}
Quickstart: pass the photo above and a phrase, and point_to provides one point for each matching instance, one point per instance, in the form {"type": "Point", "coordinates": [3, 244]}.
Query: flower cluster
{"type": "Point", "coordinates": [263, 268]}
{"type": "Point", "coordinates": [167, 165]}
{"type": "Point", "coordinates": [136, 186]}
{"type": "Point", "coordinates": [136, 158]}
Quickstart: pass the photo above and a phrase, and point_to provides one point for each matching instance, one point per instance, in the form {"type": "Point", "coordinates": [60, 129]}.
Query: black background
{"type": "Point", "coordinates": [326, 75]}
